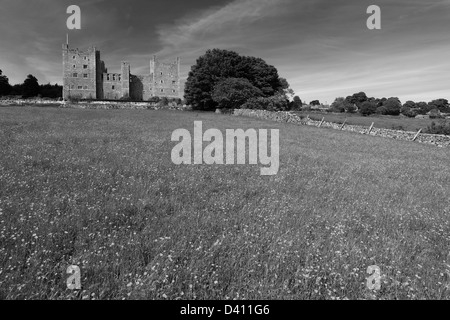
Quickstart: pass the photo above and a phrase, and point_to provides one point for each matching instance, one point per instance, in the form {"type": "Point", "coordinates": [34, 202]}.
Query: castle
{"type": "Point", "coordinates": [86, 77]}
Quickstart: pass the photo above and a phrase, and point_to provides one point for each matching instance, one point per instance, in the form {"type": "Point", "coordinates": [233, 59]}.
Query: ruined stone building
{"type": "Point", "coordinates": [86, 77]}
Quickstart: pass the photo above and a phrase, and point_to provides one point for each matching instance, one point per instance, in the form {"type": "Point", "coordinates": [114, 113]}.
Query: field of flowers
{"type": "Point", "coordinates": [97, 189]}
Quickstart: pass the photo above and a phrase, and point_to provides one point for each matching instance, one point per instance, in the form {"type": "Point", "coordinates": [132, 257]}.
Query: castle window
{"type": "Point", "coordinates": [85, 58]}
{"type": "Point", "coordinates": [162, 81]}
{"type": "Point", "coordinates": [114, 77]}
{"type": "Point", "coordinates": [173, 91]}
{"type": "Point", "coordinates": [162, 90]}
{"type": "Point", "coordinates": [85, 75]}
{"type": "Point", "coordinates": [72, 87]}
{"type": "Point", "coordinates": [107, 77]}
{"type": "Point", "coordinates": [74, 66]}
{"type": "Point", "coordinates": [113, 87]}
{"type": "Point", "coordinates": [73, 57]}
{"type": "Point", "coordinates": [85, 66]}
{"type": "Point", "coordinates": [75, 75]}
{"type": "Point", "coordinates": [80, 87]}
{"type": "Point", "coordinates": [174, 82]}
{"type": "Point", "coordinates": [120, 78]}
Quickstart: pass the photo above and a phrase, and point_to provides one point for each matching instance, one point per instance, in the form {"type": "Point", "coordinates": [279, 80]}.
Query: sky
{"type": "Point", "coordinates": [322, 47]}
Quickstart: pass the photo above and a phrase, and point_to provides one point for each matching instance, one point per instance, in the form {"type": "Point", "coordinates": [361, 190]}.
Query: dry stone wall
{"type": "Point", "coordinates": [290, 117]}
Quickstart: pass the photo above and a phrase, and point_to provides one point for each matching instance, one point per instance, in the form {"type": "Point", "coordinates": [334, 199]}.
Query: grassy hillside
{"type": "Point", "coordinates": [97, 189]}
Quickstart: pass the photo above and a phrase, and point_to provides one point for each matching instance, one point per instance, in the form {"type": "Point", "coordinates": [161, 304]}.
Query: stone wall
{"type": "Point", "coordinates": [290, 117]}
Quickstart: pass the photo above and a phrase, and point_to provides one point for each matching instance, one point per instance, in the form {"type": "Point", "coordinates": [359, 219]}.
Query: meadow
{"type": "Point", "coordinates": [97, 189]}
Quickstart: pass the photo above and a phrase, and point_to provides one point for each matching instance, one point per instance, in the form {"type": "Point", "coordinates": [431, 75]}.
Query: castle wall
{"type": "Point", "coordinates": [141, 87]}
{"type": "Point", "coordinates": [112, 86]}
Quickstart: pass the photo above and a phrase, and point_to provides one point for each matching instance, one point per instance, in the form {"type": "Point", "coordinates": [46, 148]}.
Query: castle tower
{"type": "Point", "coordinates": [125, 76]}
{"type": "Point", "coordinates": [165, 78]}
{"type": "Point", "coordinates": [80, 73]}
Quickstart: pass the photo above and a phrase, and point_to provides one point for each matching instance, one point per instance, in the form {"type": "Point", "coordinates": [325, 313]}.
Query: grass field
{"type": "Point", "coordinates": [97, 188]}
{"type": "Point", "coordinates": [380, 121]}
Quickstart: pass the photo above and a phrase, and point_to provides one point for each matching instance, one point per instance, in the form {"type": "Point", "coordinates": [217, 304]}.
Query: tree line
{"type": "Point", "coordinates": [359, 102]}
{"type": "Point", "coordinates": [29, 88]}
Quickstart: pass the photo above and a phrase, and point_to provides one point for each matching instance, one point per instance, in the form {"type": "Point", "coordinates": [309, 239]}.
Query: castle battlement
{"type": "Point", "coordinates": [85, 76]}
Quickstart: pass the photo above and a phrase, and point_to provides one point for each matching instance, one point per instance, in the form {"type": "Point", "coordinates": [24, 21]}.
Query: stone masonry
{"type": "Point", "coordinates": [86, 77]}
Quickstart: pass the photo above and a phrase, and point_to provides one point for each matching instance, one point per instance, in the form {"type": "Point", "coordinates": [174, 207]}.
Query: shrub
{"type": "Point", "coordinates": [381, 110]}
{"type": "Point", "coordinates": [74, 98]}
{"type": "Point", "coordinates": [441, 128]}
{"type": "Point", "coordinates": [274, 103]}
{"type": "Point", "coordinates": [306, 108]}
{"type": "Point", "coordinates": [336, 109]}
{"type": "Point", "coordinates": [232, 93]}
{"type": "Point", "coordinates": [164, 101]}
{"type": "Point", "coordinates": [435, 114]}
{"type": "Point", "coordinates": [409, 112]}
{"type": "Point", "coordinates": [155, 99]}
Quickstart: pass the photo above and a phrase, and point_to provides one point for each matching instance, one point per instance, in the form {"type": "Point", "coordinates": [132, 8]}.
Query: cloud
{"type": "Point", "coordinates": [218, 26]}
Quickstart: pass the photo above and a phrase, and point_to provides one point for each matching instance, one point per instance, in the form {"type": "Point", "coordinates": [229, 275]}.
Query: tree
{"type": "Point", "coordinates": [216, 65]}
{"type": "Point", "coordinates": [338, 105]}
{"type": "Point", "coordinates": [315, 103]}
{"type": "Point", "coordinates": [5, 87]}
{"type": "Point", "coordinates": [357, 98]}
{"type": "Point", "coordinates": [409, 104]}
{"type": "Point", "coordinates": [30, 87]}
{"type": "Point", "coordinates": [423, 107]}
{"type": "Point", "coordinates": [440, 104]}
{"type": "Point", "coordinates": [286, 88]}
{"type": "Point", "coordinates": [297, 103]}
{"type": "Point", "coordinates": [393, 106]}
{"type": "Point", "coordinates": [368, 108]}
{"type": "Point", "coordinates": [50, 91]}
{"type": "Point", "coordinates": [232, 93]}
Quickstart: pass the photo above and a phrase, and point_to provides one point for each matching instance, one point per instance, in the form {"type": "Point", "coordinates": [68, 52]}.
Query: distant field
{"type": "Point", "coordinates": [380, 121]}
{"type": "Point", "coordinates": [97, 188]}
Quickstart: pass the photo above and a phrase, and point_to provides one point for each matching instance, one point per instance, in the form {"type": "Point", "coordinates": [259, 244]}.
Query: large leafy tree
{"type": "Point", "coordinates": [216, 65]}
{"type": "Point", "coordinates": [5, 87]}
{"type": "Point", "coordinates": [30, 87]}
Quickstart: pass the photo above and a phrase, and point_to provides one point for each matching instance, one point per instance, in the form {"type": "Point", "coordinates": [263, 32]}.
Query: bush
{"type": "Point", "coordinates": [336, 109]}
{"type": "Point", "coordinates": [74, 98]}
{"type": "Point", "coordinates": [435, 114]}
{"type": "Point", "coordinates": [381, 110]}
{"type": "Point", "coordinates": [232, 93]}
{"type": "Point", "coordinates": [155, 99]}
{"type": "Point", "coordinates": [441, 128]}
{"type": "Point", "coordinates": [409, 112]}
{"type": "Point", "coordinates": [306, 108]}
{"type": "Point", "coordinates": [274, 103]}
{"type": "Point", "coordinates": [164, 101]}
